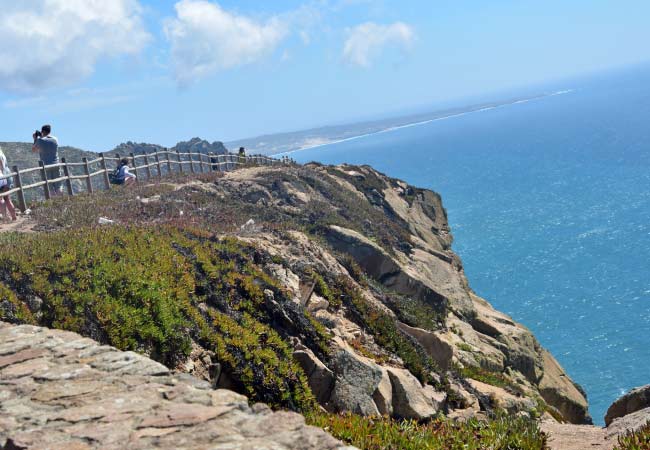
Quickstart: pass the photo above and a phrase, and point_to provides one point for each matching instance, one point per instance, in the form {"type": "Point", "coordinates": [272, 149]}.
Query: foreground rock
{"type": "Point", "coordinates": [633, 401]}
{"type": "Point", "coordinates": [59, 390]}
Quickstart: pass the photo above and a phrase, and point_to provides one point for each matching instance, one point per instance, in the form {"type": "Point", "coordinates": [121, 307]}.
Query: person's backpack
{"type": "Point", "coordinates": [114, 176]}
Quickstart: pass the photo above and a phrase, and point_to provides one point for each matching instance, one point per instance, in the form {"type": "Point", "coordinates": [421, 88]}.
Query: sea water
{"type": "Point", "coordinates": [549, 204]}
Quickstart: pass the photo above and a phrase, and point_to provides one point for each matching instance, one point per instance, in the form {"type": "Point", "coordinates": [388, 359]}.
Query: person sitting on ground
{"type": "Point", "coordinates": [6, 185]}
{"type": "Point", "coordinates": [48, 148]}
{"type": "Point", "coordinates": [123, 174]}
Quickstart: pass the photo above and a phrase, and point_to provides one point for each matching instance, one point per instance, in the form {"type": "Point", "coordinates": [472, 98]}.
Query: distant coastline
{"type": "Point", "coordinates": [282, 144]}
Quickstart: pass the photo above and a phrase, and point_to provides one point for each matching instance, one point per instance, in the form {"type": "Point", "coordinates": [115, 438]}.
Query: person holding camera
{"type": "Point", "coordinates": [48, 148]}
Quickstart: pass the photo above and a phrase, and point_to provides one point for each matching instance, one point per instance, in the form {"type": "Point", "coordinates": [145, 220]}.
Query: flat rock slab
{"type": "Point", "coordinates": [576, 437]}
{"type": "Point", "coordinates": [59, 390]}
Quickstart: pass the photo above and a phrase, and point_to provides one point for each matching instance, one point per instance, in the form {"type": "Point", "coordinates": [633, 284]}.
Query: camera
{"type": "Point", "coordinates": [37, 134]}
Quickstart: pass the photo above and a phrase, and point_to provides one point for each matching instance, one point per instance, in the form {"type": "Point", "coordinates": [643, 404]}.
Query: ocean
{"type": "Point", "coordinates": [549, 204]}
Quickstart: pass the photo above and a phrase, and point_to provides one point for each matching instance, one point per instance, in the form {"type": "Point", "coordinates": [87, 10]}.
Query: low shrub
{"type": "Point", "coordinates": [154, 290]}
{"type": "Point", "coordinates": [498, 433]}
{"type": "Point", "coordinates": [635, 440]}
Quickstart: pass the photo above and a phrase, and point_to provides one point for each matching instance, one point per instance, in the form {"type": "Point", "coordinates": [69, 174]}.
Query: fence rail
{"type": "Point", "coordinates": [84, 175]}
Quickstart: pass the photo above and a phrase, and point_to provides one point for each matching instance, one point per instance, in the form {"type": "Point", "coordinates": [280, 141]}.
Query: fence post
{"type": "Point", "coordinates": [202, 164]}
{"type": "Point", "coordinates": [21, 194]}
{"type": "Point", "coordinates": [68, 181]}
{"type": "Point", "coordinates": [135, 167]}
{"type": "Point", "coordinates": [46, 186]}
{"type": "Point", "coordinates": [157, 158]}
{"type": "Point", "coordinates": [169, 162]}
{"type": "Point", "coordinates": [180, 162]}
{"type": "Point", "coordinates": [146, 163]}
{"type": "Point", "coordinates": [89, 182]}
{"type": "Point", "coordinates": [191, 161]}
{"type": "Point", "coordinates": [107, 181]}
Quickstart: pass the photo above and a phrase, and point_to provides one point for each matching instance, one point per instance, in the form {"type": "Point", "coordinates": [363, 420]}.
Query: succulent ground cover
{"type": "Point", "coordinates": [499, 433]}
{"type": "Point", "coordinates": [635, 440]}
{"type": "Point", "coordinates": [153, 290]}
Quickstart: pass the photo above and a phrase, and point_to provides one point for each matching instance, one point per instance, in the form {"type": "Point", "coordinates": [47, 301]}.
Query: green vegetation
{"type": "Point", "coordinates": [635, 440]}
{"type": "Point", "coordinates": [415, 312]}
{"type": "Point", "coordinates": [465, 347]}
{"type": "Point", "coordinates": [492, 378]}
{"type": "Point", "coordinates": [499, 433]}
{"type": "Point", "coordinates": [154, 290]}
{"type": "Point", "coordinates": [386, 334]}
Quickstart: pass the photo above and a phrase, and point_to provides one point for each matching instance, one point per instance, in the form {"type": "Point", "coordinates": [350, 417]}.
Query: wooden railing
{"type": "Point", "coordinates": [89, 175]}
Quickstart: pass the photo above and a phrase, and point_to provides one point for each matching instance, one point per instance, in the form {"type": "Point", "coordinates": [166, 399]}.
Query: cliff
{"type": "Point", "coordinates": [294, 286]}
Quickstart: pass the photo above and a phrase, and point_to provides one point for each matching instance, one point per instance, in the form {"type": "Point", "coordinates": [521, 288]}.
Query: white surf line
{"type": "Point", "coordinates": [424, 122]}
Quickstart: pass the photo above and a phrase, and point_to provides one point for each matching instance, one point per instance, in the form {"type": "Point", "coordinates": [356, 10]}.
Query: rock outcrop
{"type": "Point", "coordinates": [635, 400]}
{"type": "Point", "coordinates": [194, 145]}
{"type": "Point", "coordinates": [60, 390]}
{"type": "Point", "coordinates": [353, 272]}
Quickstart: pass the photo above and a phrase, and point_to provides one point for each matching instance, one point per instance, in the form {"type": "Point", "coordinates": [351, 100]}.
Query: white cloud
{"type": "Point", "coordinates": [49, 43]}
{"type": "Point", "coordinates": [368, 40]}
{"type": "Point", "coordinates": [205, 39]}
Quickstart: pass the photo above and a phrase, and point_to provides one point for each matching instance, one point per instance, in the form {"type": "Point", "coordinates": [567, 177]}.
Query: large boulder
{"type": "Point", "coordinates": [559, 391]}
{"type": "Point", "coordinates": [410, 399]}
{"type": "Point", "coordinates": [629, 422]}
{"type": "Point", "coordinates": [357, 380]}
{"type": "Point", "coordinates": [437, 348]}
{"type": "Point", "coordinates": [501, 399]}
{"type": "Point", "coordinates": [635, 400]}
{"type": "Point", "coordinates": [320, 378]}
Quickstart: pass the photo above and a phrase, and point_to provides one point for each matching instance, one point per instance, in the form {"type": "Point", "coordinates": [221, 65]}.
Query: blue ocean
{"type": "Point", "coordinates": [549, 203]}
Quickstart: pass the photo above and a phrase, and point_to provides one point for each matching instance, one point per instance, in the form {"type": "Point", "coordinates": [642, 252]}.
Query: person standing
{"type": "Point", "coordinates": [5, 185]}
{"type": "Point", "coordinates": [48, 148]}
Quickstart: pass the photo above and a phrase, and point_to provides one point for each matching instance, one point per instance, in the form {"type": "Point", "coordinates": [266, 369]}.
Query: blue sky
{"type": "Point", "coordinates": [164, 71]}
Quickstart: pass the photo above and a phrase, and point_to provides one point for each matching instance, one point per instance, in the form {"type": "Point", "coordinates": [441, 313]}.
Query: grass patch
{"type": "Point", "coordinates": [465, 347]}
{"type": "Point", "coordinates": [498, 433]}
{"type": "Point", "coordinates": [154, 290]}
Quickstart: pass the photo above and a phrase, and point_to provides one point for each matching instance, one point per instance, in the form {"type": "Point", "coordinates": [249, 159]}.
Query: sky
{"type": "Point", "coordinates": [104, 72]}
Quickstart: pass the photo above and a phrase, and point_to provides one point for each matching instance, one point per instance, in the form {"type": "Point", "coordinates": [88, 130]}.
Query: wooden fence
{"type": "Point", "coordinates": [89, 175]}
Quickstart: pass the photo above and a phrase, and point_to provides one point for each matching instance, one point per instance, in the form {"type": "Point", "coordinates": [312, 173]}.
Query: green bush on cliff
{"type": "Point", "coordinates": [154, 290]}
{"type": "Point", "coordinates": [635, 440]}
{"type": "Point", "coordinates": [499, 433]}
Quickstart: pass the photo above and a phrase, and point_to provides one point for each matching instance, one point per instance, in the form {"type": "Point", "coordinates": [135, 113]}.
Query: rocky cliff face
{"type": "Point", "coordinates": [342, 270]}
{"type": "Point", "coordinates": [398, 237]}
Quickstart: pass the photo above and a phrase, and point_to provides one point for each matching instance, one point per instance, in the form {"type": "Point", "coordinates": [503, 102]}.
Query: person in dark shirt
{"type": "Point", "coordinates": [48, 148]}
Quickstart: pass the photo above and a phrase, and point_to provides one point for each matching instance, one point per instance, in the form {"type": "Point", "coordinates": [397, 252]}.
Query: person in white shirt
{"type": "Point", "coordinates": [124, 175]}
{"type": "Point", "coordinates": [5, 185]}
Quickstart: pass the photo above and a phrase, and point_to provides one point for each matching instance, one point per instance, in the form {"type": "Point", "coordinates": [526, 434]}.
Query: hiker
{"type": "Point", "coordinates": [48, 148]}
{"type": "Point", "coordinates": [122, 174]}
{"type": "Point", "coordinates": [6, 185]}
{"type": "Point", "coordinates": [242, 151]}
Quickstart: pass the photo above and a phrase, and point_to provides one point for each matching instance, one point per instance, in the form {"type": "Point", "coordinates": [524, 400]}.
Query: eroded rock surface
{"type": "Point", "coordinates": [59, 390]}
{"type": "Point", "coordinates": [633, 401]}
